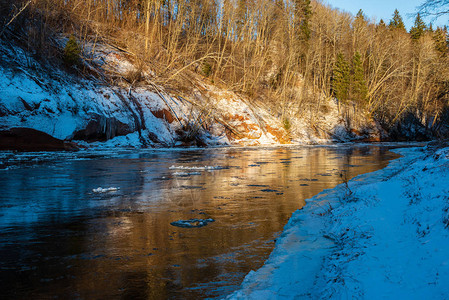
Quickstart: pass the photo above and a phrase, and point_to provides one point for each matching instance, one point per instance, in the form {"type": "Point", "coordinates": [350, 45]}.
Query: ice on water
{"type": "Point", "coordinates": [100, 190]}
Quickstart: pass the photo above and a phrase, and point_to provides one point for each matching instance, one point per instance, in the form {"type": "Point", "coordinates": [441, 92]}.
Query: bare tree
{"type": "Point", "coordinates": [435, 8]}
{"type": "Point", "coordinates": [282, 51]}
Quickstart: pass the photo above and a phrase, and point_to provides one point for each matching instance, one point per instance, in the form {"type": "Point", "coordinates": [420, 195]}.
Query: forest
{"type": "Point", "coordinates": [288, 54]}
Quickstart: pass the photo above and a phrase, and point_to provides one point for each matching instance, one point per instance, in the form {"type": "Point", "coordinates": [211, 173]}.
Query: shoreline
{"type": "Point", "coordinates": [331, 246]}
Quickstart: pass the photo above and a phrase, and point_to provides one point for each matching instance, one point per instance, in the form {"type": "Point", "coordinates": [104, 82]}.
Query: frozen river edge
{"type": "Point", "coordinates": [382, 235]}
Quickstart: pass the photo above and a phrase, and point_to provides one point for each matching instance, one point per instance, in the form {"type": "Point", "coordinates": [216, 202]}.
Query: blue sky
{"type": "Point", "coordinates": [383, 9]}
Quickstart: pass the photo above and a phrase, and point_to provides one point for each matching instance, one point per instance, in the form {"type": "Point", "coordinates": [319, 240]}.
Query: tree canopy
{"type": "Point", "coordinates": [418, 28]}
{"type": "Point", "coordinates": [396, 22]}
{"type": "Point", "coordinates": [288, 53]}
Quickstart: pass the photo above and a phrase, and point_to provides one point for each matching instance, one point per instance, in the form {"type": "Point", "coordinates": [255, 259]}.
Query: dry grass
{"type": "Point", "coordinates": [248, 53]}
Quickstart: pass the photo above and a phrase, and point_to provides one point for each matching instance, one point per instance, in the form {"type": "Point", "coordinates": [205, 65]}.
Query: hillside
{"type": "Point", "coordinates": [172, 74]}
{"type": "Point", "coordinates": [92, 113]}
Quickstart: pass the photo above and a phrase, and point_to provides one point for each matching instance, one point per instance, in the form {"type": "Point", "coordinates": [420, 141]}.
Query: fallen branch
{"type": "Point", "coordinates": [159, 92]}
{"type": "Point", "coordinates": [15, 16]}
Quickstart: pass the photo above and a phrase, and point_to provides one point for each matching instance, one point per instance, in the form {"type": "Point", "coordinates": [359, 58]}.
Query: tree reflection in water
{"type": "Point", "coordinates": [58, 238]}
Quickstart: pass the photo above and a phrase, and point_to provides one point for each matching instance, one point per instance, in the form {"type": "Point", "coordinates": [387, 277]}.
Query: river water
{"type": "Point", "coordinates": [63, 237]}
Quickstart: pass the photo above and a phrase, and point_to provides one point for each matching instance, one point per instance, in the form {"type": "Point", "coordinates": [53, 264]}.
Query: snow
{"type": "Point", "coordinates": [130, 140]}
{"type": "Point", "coordinates": [105, 190]}
{"type": "Point", "coordinates": [61, 105]}
{"type": "Point", "coordinates": [383, 235]}
{"type": "Point", "coordinates": [185, 174]}
{"type": "Point", "coordinates": [64, 106]}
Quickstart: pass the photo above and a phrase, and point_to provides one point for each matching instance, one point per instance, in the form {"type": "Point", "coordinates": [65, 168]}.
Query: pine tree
{"type": "Point", "coordinates": [418, 29]}
{"type": "Point", "coordinates": [360, 19]}
{"type": "Point", "coordinates": [303, 13]}
{"type": "Point", "coordinates": [359, 22]}
{"type": "Point", "coordinates": [440, 40]}
{"type": "Point", "coordinates": [359, 90]}
{"type": "Point", "coordinates": [341, 79]}
{"type": "Point", "coordinates": [397, 22]}
{"type": "Point", "coordinates": [72, 52]}
{"type": "Point", "coordinates": [381, 26]}
{"type": "Point", "coordinates": [305, 27]}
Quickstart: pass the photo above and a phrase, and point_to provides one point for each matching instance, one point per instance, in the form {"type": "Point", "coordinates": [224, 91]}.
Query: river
{"type": "Point", "coordinates": [63, 237]}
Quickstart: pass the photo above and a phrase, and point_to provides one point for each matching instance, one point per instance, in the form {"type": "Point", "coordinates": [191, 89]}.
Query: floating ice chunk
{"type": "Point", "coordinates": [205, 168]}
{"type": "Point", "coordinates": [105, 190]}
{"type": "Point", "coordinates": [192, 223]}
{"type": "Point", "coordinates": [186, 173]}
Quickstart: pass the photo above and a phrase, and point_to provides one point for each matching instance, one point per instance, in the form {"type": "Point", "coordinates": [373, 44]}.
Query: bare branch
{"type": "Point", "coordinates": [15, 16]}
{"type": "Point", "coordinates": [435, 8]}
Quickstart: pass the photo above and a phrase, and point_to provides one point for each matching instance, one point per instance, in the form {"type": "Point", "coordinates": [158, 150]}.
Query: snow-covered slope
{"type": "Point", "coordinates": [69, 108]}
{"type": "Point", "coordinates": [385, 235]}
{"type": "Point", "coordinates": [110, 108]}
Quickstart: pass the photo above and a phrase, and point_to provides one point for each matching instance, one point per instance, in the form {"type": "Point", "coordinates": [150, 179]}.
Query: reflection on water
{"type": "Point", "coordinates": [58, 238]}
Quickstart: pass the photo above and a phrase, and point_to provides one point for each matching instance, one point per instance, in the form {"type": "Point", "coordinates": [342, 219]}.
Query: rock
{"type": "Point", "coordinates": [27, 139]}
{"type": "Point", "coordinates": [163, 114]}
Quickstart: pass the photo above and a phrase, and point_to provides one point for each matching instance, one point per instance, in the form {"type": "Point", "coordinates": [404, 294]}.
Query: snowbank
{"type": "Point", "coordinates": [115, 113]}
{"type": "Point", "coordinates": [383, 235]}
{"type": "Point", "coordinates": [97, 114]}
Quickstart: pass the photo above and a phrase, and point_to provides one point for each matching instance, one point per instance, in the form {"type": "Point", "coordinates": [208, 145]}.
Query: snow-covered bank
{"type": "Point", "coordinates": [97, 113]}
{"type": "Point", "coordinates": [383, 235]}
{"type": "Point", "coordinates": [110, 111]}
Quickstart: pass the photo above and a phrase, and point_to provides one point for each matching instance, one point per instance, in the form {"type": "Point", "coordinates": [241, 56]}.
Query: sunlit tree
{"type": "Point", "coordinates": [418, 28]}
{"type": "Point", "coordinates": [396, 22]}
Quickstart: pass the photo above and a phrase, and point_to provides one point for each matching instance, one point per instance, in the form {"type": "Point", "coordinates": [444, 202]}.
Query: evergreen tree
{"type": "Point", "coordinates": [72, 52]}
{"type": "Point", "coordinates": [397, 22]}
{"type": "Point", "coordinates": [418, 29]}
{"type": "Point", "coordinates": [306, 9]}
{"type": "Point", "coordinates": [440, 40]}
{"type": "Point", "coordinates": [360, 18]}
{"type": "Point", "coordinates": [303, 13]}
{"type": "Point", "coordinates": [359, 90]}
{"type": "Point", "coordinates": [359, 21]}
{"type": "Point", "coordinates": [381, 26]}
{"type": "Point", "coordinates": [341, 79]}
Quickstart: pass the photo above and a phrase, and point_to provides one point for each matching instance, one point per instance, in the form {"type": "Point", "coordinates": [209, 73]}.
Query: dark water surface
{"type": "Point", "coordinates": [59, 239]}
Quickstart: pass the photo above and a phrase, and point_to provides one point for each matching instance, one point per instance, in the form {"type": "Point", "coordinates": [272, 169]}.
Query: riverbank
{"type": "Point", "coordinates": [45, 107]}
{"type": "Point", "coordinates": [381, 235]}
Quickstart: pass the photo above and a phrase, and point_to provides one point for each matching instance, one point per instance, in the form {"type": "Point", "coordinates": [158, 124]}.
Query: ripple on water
{"type": "Point", "coordinates": [43, 207]}
{"type": "Point", "coordinates": [192, 223]}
